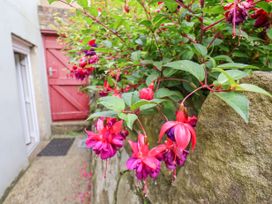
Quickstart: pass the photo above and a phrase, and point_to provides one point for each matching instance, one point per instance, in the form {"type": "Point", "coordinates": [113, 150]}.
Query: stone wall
{"type": "Point", "coordinates": [47, 15]}
{"type": "Point", "coordinates": [232, 162]}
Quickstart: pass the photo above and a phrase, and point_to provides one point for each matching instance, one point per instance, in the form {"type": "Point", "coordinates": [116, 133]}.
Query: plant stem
{"type": "Point", "coordinates": [234, 19]}
{"type": "Point", "coordinates": [213, 24]}
{"type": "Point", "coordinates": [148, 16]}
{"type": "Point", "coordinates": [180, 2]}
{"type": "Point", "coordinates": [190, 94]}
{"type": "Point", "coordinates": [189, 38]}
{"type": "Point", "coordinates": [163, 115]}
{"type": "Point", "coordinates": [176, 79]}
{"type": "Point", "coordinates": [95, 20]}
{"type": "Point", "coordinates": [142, 127]}
{"type": "Point", "coordinates": [212, 41]}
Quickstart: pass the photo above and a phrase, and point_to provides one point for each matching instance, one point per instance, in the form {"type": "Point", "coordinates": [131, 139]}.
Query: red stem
{"type": "Point", "coordinates": [213, 24]}
{"type": "Point", "coordinates": [95, 20]}
{"type": "Point", "coordinates": [190, 94]}
{"type": "Point", "coordinates": [204, 86]}
{"type": "Point", "coordinates": [142, 127]}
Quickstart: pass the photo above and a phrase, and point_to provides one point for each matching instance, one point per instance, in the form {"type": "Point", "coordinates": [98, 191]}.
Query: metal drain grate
{"type": "Point", "coordinates": [57, 147]}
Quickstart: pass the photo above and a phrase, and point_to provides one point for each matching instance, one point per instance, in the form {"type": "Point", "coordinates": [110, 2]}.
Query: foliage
{"type": "Point", "coordinates": [156, 55]}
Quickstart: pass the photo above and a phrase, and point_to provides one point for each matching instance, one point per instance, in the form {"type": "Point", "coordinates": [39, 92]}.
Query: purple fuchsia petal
{"type": "Point", "coordinates": [132, 163]}
{"type": "Point", "coordinates": [181, 161]}
{"type": "Point", "coordinates": [171, 134]}
{"type": "Point", "coordinates": [98, 145]}
{"type": "Point", "coordinates": [166, 126]}
{"type": "Point", "coordinates": [118, 141]}
{"type": "Point", "coordinates": [89, 52]}
{"type": "Point", "coordinates": [107, 152]}
{"type": "Point", "coordinates": [141, 172]}
{"type": "Point", "coordinates": [155, 173]}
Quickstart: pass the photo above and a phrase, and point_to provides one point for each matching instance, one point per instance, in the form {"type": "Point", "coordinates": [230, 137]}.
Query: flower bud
{"type": "Point", "coordinates": [146, 93]}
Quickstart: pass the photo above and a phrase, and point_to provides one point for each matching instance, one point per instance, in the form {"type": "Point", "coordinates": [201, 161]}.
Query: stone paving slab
{"type": "Point", "coordinates": [54, 180]}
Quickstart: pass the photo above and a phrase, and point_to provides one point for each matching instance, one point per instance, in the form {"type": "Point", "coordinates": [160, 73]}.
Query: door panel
{"type": "Point", "coordinates": [66, 100]}
{"type": "Point", "coordinates": [25, 97]}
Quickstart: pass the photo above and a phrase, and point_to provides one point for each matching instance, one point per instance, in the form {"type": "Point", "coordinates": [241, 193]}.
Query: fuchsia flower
{"type": "Point", "coordinates": [160, 6]}
{"type": "Point", "coordinates": [147, 93]}
{"type": "Point", "coordinates": [173, 155]}
{"type": "Point", "coordinates": [237, 12]}
{"type": "Point", "coordinates": [180, 131]}
{"type": "Point", "coordinates": [108, 139]}
{"type": "Point", "coordinates": [81, 73]}
{"type": "Point", "coordinates": [92, 43]}
{"type": "Point", "coordinates": [83, 62]}
{"type": "Point", "coordinates": [263, 19]}
{"type": "Point", "coordinates": [144, 161]}
{"type": "Point", "coordinates": [93, 59]}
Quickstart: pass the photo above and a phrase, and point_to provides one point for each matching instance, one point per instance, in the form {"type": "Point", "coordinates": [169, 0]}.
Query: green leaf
{"type": "Point", "coordinates": [136, 56]}
{"type": "Point", "coordinates": [129, 119]}
{"type": "Point", "coordinates": [265, 6]}
{"type": "Point", "coordinates": [169, 72]}
{"type": "Point", "coordinates": [130, 97]}
{"type": "Point", "coordinates": [51, 1]}
{"type": "Point", "coordinates": [201, 49]}
{"type": "Point", "coordinates": [253, 88]}
{"type": "Point", "coordinates": [236, 66]}
{"type": "Point", "coordinates": [83, 3]}
{"type": "Point", "coordinates": [140, 103]}
{"type": "Point", "coordinates": [158, 64]}
{"type": "Point", "coordinates": [146, 23]}
{"type": "Point", "coordinates": [164, 92]}
{"type": "Point", "coordinates": [188, 66]}
{"type": "Point", "coordinates": [152, 77]}
{"type": "Point", "coordinates": [113, 103]}
{"type": "Point", "coordinates": [269, 33]}
{"type": "Point", "coordinates": [237, 101]}
{"type": "Point", "coordinates": [102, 114]}
{"type": "Point", "coordinates": [234, 74]}
{"type": "Point", "coordinates": [223, 58]}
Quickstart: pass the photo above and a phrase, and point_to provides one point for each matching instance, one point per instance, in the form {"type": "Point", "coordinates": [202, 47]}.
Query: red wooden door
{"type": "Point", "coordinates": [67, 102]}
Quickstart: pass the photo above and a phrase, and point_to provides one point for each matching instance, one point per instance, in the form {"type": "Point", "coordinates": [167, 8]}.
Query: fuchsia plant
{"type": "Point", "coordinates": [148, 57]}
{"type": "Point", "coordinates": [109, 139]}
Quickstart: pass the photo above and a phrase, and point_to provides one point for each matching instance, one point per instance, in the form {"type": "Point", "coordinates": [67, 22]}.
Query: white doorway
{"type": "Point", "coordinates": [26, 94]}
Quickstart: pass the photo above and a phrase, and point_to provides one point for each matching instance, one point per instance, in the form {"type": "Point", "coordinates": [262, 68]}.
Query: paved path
{"type": "Point", "coordinates": [54, 180]}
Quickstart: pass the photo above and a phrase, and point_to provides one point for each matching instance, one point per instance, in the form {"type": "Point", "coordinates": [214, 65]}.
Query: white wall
{"type": "Point", "coordinates": [20, 18]}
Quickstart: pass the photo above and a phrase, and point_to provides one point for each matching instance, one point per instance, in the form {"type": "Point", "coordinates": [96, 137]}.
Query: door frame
{"type": "Point", "coordinates": [22, 47]}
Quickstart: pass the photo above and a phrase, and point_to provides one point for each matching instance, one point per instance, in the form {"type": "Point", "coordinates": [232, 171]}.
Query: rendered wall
{"type": "Point", "coordinates": [19, 17]}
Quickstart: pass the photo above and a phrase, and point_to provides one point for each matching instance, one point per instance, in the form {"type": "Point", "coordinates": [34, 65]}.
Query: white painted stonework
{"type": "Point", "coordinates": [19, 18]}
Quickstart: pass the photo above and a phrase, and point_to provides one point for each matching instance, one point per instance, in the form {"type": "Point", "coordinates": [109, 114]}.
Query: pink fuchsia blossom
{"type": "Point", "coordinates": [147, 93]}
{"type": "Point", "coordinates": [92, 43]}
{"type": "Point", "coordinates": [83, 62]}
{"type": "Point", "coordinates": [237, 12]}
{"type": "Point", "coordinates": [81, 73]}
{"type": "Point", "coordinates": [174, 156]}
{"type": "Point", "coordinates": [263, 19]}
{"type": "Point", "coordinates": [180, 131]}
{"type": "Point", "coordinates": [160, 6]}
{"type": "Point", "coordinates": [93, 59]}
{"type": "Point", "coordinates": [109, 137]}
{"type": "Point", "coordinates": [144, 161]}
